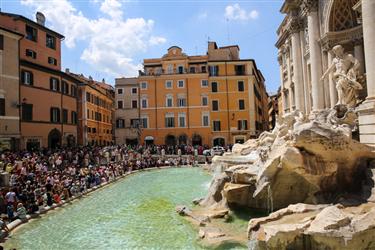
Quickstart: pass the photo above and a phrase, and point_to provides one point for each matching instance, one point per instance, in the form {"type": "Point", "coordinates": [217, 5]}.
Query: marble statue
{"type": "Point", "coordinates": [345, 67]}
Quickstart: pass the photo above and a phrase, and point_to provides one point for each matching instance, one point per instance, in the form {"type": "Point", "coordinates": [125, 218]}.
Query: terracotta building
{"type": "Point", "coordinates": [9, 89]}
{"type": "Point", "coordinates": [95, 111]}
{"type": "Point", "coordinates": [127, 111]}
{"type": "Point", "coordinates": [48, 97]}
{"type": "Point", "coordinates": [212, 99]}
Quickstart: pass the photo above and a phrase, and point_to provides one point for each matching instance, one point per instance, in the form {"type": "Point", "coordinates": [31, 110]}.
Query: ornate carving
{"type": "Point", "coordinates": [295, 25]}
{"type": "Point", "coordinates": [310, 5]}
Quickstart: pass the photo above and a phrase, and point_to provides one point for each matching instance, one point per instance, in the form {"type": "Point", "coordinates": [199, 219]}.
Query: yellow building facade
{"type": "Point", "coordinates": [95, 112]}
{"type": "Point", "coordinates": [213, 99]}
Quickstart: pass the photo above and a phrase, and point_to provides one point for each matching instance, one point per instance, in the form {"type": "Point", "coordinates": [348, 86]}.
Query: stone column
{"type": "Point", "coordinates": [315, 55]}
{"type": "Point", "coordinates": [332, 86]}
{"type": "Point", "coordinates": [366, 110]}
{"type": "Point", "coordinates": [358, 54]}
{"type": "Point", "coordinates": [297, 66]}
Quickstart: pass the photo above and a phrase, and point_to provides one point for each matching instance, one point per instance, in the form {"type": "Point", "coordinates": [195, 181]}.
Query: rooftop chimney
{"type": "Point", "coordinates": [40, 18]}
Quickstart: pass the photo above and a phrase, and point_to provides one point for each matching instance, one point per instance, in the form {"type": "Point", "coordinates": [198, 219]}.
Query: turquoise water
{"type": "Point", "coordinates": [137, 212]}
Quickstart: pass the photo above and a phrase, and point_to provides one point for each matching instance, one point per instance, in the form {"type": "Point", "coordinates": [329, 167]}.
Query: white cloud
{"type": "Point", "coordinates": [203, 15]}
{"type": "Point", "coordinates": [156, 40]}
{"type": "Point", "coordinates": [235, 12]}
{"type": "Point", "coordinates": [112, 41]}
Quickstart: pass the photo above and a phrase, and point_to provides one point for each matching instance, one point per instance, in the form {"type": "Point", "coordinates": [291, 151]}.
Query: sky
{"type": "Point", "coordinates": [110, 38]}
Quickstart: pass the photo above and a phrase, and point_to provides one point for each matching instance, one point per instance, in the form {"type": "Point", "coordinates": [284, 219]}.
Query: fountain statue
{"type": "Point", "coordinates": [345, 76]}
{"type": "Point", "coordinates": [317, 178]}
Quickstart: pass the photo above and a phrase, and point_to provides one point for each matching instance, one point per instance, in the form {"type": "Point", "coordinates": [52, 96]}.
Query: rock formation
{"type": "Point", "coordinates": [310, 160]}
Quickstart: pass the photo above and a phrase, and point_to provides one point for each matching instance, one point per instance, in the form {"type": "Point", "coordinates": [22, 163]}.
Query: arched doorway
{"type": "Point", "coordinates": [170, 140]}
{"type": "Point", "coordinates": [182, 139]}
{"type": "Point", "coordinates": [54, 139]}
{"type": "Point", "coordinates": [149, 140]}
{"type": "Point", "coordinates": [220, 141]}
{"type": "Point", "coordinates": [196, 140]}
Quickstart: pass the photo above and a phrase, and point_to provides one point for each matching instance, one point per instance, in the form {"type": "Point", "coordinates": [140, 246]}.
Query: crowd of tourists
{"type": "Point", "coordinates": [36, 179]}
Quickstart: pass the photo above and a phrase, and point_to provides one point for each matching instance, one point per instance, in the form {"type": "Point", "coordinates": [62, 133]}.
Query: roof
{"type": "Point", "coordinates": [16, 16]}
{"type": "Point", "coordinates": [11, 31]}
{"type": "Point", "coordinates": [229, 46]}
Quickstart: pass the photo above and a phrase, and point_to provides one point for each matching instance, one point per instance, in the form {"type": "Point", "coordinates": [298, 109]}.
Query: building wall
{"type": "Point", "coordinates": [176, 66]}
{"type": "Point", "coordinates": [9, 90]}
{"type": "Point", "coordinates": [127, 133]}
{"type": "Point", "coordinates": [41, 131]}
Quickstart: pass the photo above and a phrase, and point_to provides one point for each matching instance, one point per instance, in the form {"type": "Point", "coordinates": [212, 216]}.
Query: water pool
{"type": "Point", "coordinates": [137, 212]}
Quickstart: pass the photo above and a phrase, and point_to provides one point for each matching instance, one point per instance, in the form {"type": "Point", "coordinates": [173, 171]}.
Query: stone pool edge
{"type": "Point", "coordinates": [18, 222]}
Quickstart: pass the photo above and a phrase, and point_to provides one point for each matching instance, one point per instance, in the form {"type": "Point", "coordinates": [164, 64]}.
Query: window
{"type": "Point", "coordinates": [181, 102]}
{"type": "Point", "coordinates": [214, 86]}
{"type": "Point", "coordinates": [88, 114]}
{"type": "Point", "coordinates": [120, 104]}
{"type": "Point", "coordinates": [144, 103]}
{"type": "Point", "coordinates": [27, 77]}
{"type": "Point", "coordinates": [134, 91]}
{"type": "Point", "coordinates": [241, 104]}
{"type": "Point", "coordinates": [241, 86]}
{"type": "Point", "coordinates": [134, 123]}
{"type": "Point", "coordinates": [213, 70]}
{"type": "Point", "coordinates": [27, 112]}
{"type": "Point", "coordinates": [134, 104]}
{"type": "Point", "coordinates": [204, 101]}
{"type": "Point", "coordinates": [215, 105]}
{"type": "Point", "coordinates": [203, 69]}
{"type": "Point", "coordinates": [2, 106]}
{"type": "Point", "coordinates": [144, 122]}
{"type": "Point", "coordinates": [31, 33]}
{"type": "Point", "coordinates": [50, 41]}
{"type": "Point", "coordinates": [54, 84]}
{"type": "Point", "coordinates": [239, 69]}
{"type": "Point", "coordinates": [88, 97]}
{"type": "Point", "coordinates": [168, 84]}
{"type": "Point", "coordinates": [180, 83]}
{"type": "Point", "coordinates": [170, 69]}
{"type": "Point", "coordinates": [169, 121]}
{"type": "Point", "coordinates": [64, 87]}
{"type": "Point", "coordinates": [204, 83]}
{"type": "Point", "coordinates": [52, 60]}
{"type": "Point", "coordinates": [216, 126]}
{"type": "Point", "coordinates": [89, 129]}
{"type": "Point", "coordinates": [169, 101]}
{"type": "Point", "coordinates": [192, 70]}
{"type": "Point", "coordinates": [1, 42]}
{"type": "Point", "coordinates": [94, 130]}
{"type": "Point", "coordinates": [242, 125]}
{"type": "Point", "coordinates": [143, 85]}
{"type": "Point", "coordinates": [120, 123]}
{"type": "Point", "coordinates": [180, 69]}
{"type": "Point", "coordinates": [73, 90]}
{"type": "Point", "coordinates": [181, 120]}
{"type": "Point", "coordinates": [120, 91]}
{"type": "Point", "coordinates": [65, 116]}
{"type": "Point", "coordinates": [55, 115]}
{"type": "Point", "coordinates": [31, 53]}
{"type": "Point", "coordinates": [205, 120]}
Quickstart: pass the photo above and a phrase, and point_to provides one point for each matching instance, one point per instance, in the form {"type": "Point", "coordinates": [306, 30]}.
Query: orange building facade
{"type": "Point", "coordinates": [213, 99]}
{"type": "Point", "coordinates": [95, 111]}
{"type": "Point", "coordinates": [48, 97]}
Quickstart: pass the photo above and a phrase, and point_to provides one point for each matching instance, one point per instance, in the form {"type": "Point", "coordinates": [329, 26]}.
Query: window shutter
{"type": "Point", "coordinates": [31, 78]}
{"type": "Point", "coordinates": [23, 76]}
{"type": "Point", "coordinates": [51, 84]}
{"type": "Point", "coordinates": [58, 85]}
{"type": "Point", "coordinates": [239, 124]}
{"type": "Point", "coordinates": [58, 115]}
{"type": "Point", "coordinates": [51, 114]}
{"type": "Point", "coordinates": [245, 124]}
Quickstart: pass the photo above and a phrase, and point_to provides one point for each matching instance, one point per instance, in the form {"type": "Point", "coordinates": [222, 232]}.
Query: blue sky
{"type": "Point", "coordinates": [110, 38]}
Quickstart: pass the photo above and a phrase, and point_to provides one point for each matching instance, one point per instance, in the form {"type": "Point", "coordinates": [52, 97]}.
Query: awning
{"type": "Point", "coordinates": [149, 138]}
